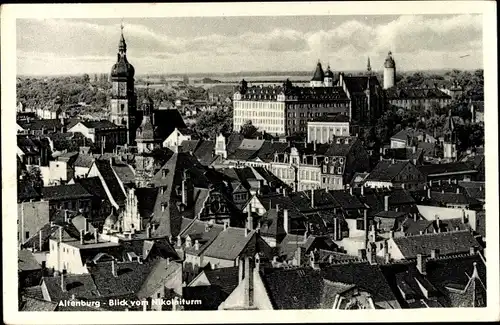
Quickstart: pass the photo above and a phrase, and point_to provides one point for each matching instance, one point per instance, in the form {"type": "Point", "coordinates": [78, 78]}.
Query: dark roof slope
{"type": "Point", "coordinates": [65, 192]}
{"type": "Point", "coordinates": [386, 171]}
{"type": "Point", "coordinates": [448, 243]}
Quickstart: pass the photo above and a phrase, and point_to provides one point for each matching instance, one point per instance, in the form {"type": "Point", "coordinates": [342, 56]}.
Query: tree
{"type": "Point", "coordinates": [248, 130]}
{"type": "Point", "coordinates": [34, 176]}
{"type": "Point", "coordinates": [210, 124]}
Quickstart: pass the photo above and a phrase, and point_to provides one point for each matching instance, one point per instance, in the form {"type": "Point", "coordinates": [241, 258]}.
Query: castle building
{"type": "Point", "coordinates": [286, 109]}
{"type": "Point", "coordinates": [123, 97]}
{"type": "Point", "coordinates": [389, 71]}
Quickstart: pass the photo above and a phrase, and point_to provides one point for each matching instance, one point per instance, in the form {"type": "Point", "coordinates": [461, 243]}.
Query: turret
{"type": "Point", "coordinates": [318, 77]}
{"type": "Point", "coordinates": [328, 81]}
{"type": "Point", "coordinates": [389, 71]}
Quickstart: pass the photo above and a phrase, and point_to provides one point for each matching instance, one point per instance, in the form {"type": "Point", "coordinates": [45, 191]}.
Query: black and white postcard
{"type": "Point", "coordinates": [250, 162]}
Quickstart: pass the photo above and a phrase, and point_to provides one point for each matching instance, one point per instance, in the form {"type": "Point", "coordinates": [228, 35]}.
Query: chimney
{"type": "Point", "coordinates": [257, 263]}
{"type": "Point", "coordinates": [429, 193]}
{"type": "Point", "coordinates": [387, 258]}
{"type": "Point", "coordinates": [434, 253]}
{"type": "Point", "coordinates": [226, 225]}
{"type": "Point", "coordinates": [350, 190]}
{"type": "Point", "coordinates": [414, 149]}
{"type": "Point", "coordinates": [249, 219]}
{"type": "Point", "coordinates": [286, 224]}
{"type": "Point", "coordinates": [248, 283]}
{"type": "Point", "coordinates": [40, 240]}
{"type": "Point", "coordinates": [362, 254]}
{"type": "Point", "coordinates": [184, 189]}
{"type": "Point", "coordinates": [284, 191]}
{"type": "Point", "coordinates": [148, 231]}
{"type": "Point", "coordinates": [246, 232]}
{"type": "Point", "coordinates": [314, 260]}
{"type": "Point", "coordinates": [81, 236]}
{"type": "Point", "coordinates": [65, 215]}
{"type": "Point", "coordinates": [373, 234]}
{"type": "Point", "coordinates": [362, 190]}
{"type": "Point", "coordinates": [188, 242]}
{"type": "Point", "coordinates": [96, 236]}
{"type": "Point", "coordinates": [179, 241]}
{"type": "Point", "coordinates": [473, 250]}
{"type": "Point", "coordinates": [421, 264]}
{"type": "Point", "coordinates": [86, 225]}
{"type": "Point", "coordinates": [365, 224]}
{"type": "Point", "coordinates": [372, 253]}
{"type": "Point", "coordinates": [60, 233]}
{"type": "Point", "coordinates": [196, 245]}
{"type": "Point", "coordinates": [438, 224]}
{"type": "Point", "coordinates": [415, 217]}
{"type": "Point", "coordinates": [458, 190]}
{"type": "Point", "coordinates": [113, 268]}
{"type": "Point", "coordinates": [386, 203]}
{"type": "Point", "coordinates": [63, 285]}
{"type": "Point", "coordinates": [391, 234]}
{"type": "Point", "coordinates": [312, 198]}
{"type": "Point", "coordinates": [393, 161]}
{"type": "Point", "coordinates": [241, 269]}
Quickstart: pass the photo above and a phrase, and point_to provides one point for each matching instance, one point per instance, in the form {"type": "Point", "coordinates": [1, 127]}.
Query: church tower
{"type": "Point", "coordinates": [389, 71]}
{"type": "Point", "coordinates": [450, 139]}
{"type": "Point", "coordinates": [123, 98]}
{"type": "Point", "coordinates": [147, 140]}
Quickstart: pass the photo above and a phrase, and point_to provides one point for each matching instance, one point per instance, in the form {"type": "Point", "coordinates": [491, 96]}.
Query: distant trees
{"type": "Point", "coordinates": [210, 123]}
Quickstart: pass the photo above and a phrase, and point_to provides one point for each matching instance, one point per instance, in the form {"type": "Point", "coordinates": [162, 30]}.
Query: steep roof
{"type": "Point", "coordinates": [230, 243]}
{"type": "Point", "coordinates": [65, 192]}
{"type": "Point", "coordinates": [386, 171]}
{"type": "Point", "coordinates": [34, 304]}
{"type": "Point", "coordinates": [101, 125]}
{"type": "Point", "coordinates": [319, 74]}
{"type": "Point", "coordinates": [453, 167]}
{"type": "Point", "coordinates": [111, 180]}
{"type": "Point", "coordinates": [226, 278]}
{"type": "Point", "coordinates": [448, 243]}
{"type": "Point", "coordinates": [26, 261]}
{"type": "Point", "coordinates": [415, 93]}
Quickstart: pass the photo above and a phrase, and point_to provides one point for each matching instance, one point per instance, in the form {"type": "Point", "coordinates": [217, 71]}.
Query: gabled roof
{"type": "Point", "coordinates": [100, 125]}
{"type": "Point", "coordinates": [409, 133]}
{"type": "Point", "coordinates": [202, 232]}
{"type": "Point", "coordinates": [93, 185]}
{"type": "Point", "coordinates": [84, 161]}
{"type": "Point", "coordinates": [230, 243]}
{"type": "Point", "coordinates": [65, 192]}
{"type": "Point", "coordinates": [448, 243]}
{"type": "Point", "coordinates": [26, 261]}
{"type": "Point", "coordinates": [358, 84]}
{"type": "Point", "coordinates": [415, 93]}
{"type": "Point", "coordinates": [226, 278]}
{"type": "Point", "coordinates": [386, 171]}
{"type": "Point", "coordinates": [111, 180]}
{"type": "Point", "coordinates": [454, 167]}
{"type": "Point", "coordinates": [34, 304]}
{"type": "Point", "coordinates": [124, 172]}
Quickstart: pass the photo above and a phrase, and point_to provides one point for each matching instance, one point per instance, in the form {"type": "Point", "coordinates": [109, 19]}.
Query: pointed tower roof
{"type": "Point", "coordinates": [450, 123]}
{"type": "Point", "coordinates": [122, 45]}
{"type": "Point", "coordinates": [146, 131]}
{"type": "Point", "coordinates": [122, 68]}
{"type": "Point", "coordinates": [319, 74]}
{"type": "Point", "coordinates": [389, 61]}
{"type": "Point", "coordinates": [476, 288]}
{"type": "Point", "coordinates": [368, 65]}
{"type": "Point", "coordinates": [328, 72]}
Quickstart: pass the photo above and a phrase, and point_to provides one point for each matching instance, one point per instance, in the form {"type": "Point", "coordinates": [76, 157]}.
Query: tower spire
{"type": "Point", "coordinates": [122, 46]}
{"type": "Point", "coordinates": [368, 65]}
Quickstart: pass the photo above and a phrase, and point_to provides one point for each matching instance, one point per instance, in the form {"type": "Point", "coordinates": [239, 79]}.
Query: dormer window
{"type": "Point", "coordinates": [339, 170]}
{"type": "Point", "coordinates": [164, 206]}
{"type": "Point", "coordinates": [325, 169]}
{"type": "Point", "coordinates": [338, 141]}
{"type": "Point", "coordinates": [341, 160]}
{"type": "Point", "coordinates": [164, 172]}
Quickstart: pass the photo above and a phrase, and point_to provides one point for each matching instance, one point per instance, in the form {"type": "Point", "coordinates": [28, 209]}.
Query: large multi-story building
{"type": "Point", "coordinates": [286, 109]}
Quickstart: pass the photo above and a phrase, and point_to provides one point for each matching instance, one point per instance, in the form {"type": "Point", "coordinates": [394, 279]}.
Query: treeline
{"type": "Point", "coordinates": [36, 92]}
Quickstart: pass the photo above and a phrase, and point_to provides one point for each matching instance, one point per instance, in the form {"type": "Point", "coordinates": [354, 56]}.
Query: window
{"type": "Point", "coordinates": [122, 107]}
{"type": "Point", "coordinates": [360, 224]}
{"type": "Point", "coordinates": [27, 234]}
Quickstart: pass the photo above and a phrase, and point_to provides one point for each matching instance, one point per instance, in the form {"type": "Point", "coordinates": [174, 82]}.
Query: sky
{"type": "Point", "coordinates": [233, 44]}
